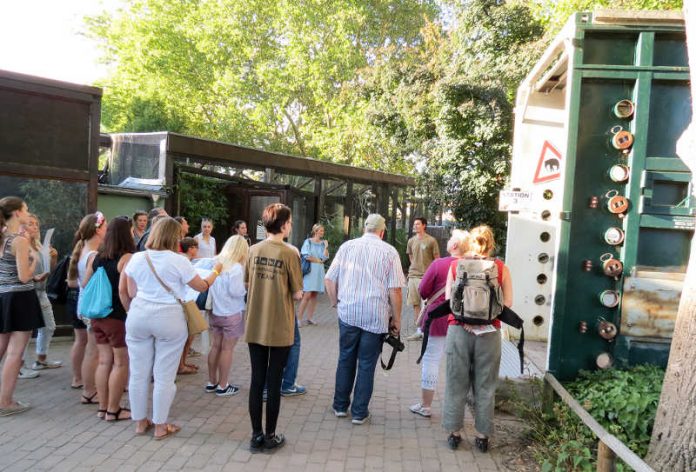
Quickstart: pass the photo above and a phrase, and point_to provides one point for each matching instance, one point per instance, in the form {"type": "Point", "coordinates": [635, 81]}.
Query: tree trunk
{"type": "Point", "coordinates": [673, 442]}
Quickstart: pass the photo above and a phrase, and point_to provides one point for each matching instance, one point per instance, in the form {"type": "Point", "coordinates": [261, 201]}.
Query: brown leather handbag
{"type": "Point", "coordinates": [194, 318]}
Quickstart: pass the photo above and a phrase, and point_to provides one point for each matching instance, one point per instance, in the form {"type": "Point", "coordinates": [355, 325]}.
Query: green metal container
{"type": "Point", "coordinates": [615, 87]}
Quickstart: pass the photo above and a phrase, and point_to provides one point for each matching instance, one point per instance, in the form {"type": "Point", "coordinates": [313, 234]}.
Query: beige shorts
{"type": "Point", "coordinates": [413, 297]}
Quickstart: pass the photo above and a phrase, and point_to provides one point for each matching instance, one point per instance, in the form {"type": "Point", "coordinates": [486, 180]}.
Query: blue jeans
{"type": "Point", "coordinates": [359, 350]}
{"type": "Point", "coordinates": [290, 372]}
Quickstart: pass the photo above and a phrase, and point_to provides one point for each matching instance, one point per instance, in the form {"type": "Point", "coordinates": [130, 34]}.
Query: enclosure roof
{"type": "Point", "coordinates": [25, 82]}
{"type": "Point", "coordinates": [219, 152]}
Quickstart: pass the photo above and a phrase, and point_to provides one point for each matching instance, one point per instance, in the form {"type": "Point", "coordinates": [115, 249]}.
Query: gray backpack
{"type": "Point", "coordinates": [476, 296]}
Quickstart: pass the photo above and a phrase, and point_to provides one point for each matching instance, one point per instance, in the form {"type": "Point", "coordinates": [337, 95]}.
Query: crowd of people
{"type": "Point", "coordinates": [147, 268]}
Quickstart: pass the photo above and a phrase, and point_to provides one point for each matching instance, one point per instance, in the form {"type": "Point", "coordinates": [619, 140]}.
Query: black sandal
{"type": "Point", "coordinates": [89, 400]}
{"type": "Point", "coordinates": [481, 444]}
{"type": "Point", "coordinates": [453, 441]}
{"type": "Point", "coordinates": [117, 415]}
{"type": "Point", "coordinates": [101, 414]}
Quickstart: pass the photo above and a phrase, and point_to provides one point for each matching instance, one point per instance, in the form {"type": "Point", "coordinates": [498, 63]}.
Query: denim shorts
{"type": "Point", "coordinates": [231, 326]}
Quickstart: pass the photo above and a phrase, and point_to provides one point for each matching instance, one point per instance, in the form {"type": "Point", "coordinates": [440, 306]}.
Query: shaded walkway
{"type": "Point", "coordinates": [61, 435]}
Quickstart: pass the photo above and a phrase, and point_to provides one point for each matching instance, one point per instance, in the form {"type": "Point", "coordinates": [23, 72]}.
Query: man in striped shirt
{"type": "Point", "coordinates": [364, 282]}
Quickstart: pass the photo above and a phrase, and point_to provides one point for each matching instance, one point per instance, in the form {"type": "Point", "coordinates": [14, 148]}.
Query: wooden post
{"type": "Point", "coordinates": [548, 398]}
{"type": "Point", "coordinates": [348, 211]}
{"type": "Point", "coordinates": [606, 459]}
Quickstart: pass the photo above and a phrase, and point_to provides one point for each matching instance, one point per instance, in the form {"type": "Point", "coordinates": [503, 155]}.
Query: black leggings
{"type": "Point", "coordinates": [267, 364]}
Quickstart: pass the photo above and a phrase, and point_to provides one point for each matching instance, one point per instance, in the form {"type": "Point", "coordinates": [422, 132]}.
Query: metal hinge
{"type": "Point", "coordinates": [565, 215]}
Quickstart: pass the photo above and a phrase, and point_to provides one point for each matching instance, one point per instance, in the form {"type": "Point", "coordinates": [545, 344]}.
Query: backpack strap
{"type": "Point", "coordinates": [441, 310]}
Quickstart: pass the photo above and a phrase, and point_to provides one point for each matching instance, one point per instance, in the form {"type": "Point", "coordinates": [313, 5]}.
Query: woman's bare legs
{"type": "Point", "coordinates": [12, 347]}
{"type": "Point", "coordinates": [77, 354]}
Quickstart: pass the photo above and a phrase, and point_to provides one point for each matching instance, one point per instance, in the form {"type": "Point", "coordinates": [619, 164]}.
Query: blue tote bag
{"type": "Point", "coordinates": [96, 297]}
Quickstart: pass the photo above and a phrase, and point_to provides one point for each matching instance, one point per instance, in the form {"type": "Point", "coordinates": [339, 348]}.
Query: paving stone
{"type": "Point", "coordinates": [59, 434]}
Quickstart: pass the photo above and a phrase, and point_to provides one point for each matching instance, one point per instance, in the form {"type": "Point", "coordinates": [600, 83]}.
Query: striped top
{"type": "Point", "coordinates": [364, 270]}
{"type": "Point", "coordinates": [9, 276]}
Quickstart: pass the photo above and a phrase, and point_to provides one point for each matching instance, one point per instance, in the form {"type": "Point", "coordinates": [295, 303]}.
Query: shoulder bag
{"type": "Point", "coordinates": [194, 318]}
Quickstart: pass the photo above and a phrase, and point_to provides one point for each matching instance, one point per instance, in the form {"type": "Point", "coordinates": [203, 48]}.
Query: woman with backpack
{"type": "Point", "coordinates": [315, 250]}
{"type": "Point", "coordinates": [110, 332]}
{"type": "Point", "coordinates": [432, 288]}
{"type": "Point", "coordinates": [87, 240]}
{"type": "Point", "coordinates": [473, 350]}
{"type": "Point", "coordinates": [20, 311]}
{"type": "Point", "coordinates": [227, 315]}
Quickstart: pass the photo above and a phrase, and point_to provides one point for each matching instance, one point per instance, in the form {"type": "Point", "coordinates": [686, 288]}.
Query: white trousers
{"type": "Point", "coordinates": [431, 362]}
{"type": "Point", "coordinates": [155, 335]}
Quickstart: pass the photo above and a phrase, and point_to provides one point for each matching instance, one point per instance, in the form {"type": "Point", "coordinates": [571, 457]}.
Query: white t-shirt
{"type": "Point", "coordinates": [228, 292]}
{"type": "Point", "coordinates": [206, 249]}
{"type": "Point", "coordinates": [174, 269]}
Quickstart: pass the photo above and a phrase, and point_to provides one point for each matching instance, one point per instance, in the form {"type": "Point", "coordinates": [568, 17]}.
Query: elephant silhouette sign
{"type": "Point", "coordinates": [549, 164]}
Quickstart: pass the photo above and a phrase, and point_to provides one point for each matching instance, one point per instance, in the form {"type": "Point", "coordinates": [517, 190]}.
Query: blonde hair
{"type": "Point", "coordinates": [459, 242]}
{"type": "Point", "coordinates": [235, 251]}
{"type": "Point", "coordinates": [35, 241]}
{"type": "Point", "coordinates": [164, 235]}
{"type": "Point", "coordinates": [482, 241]}
{"type": "Point", "coordinates": [316, 228]}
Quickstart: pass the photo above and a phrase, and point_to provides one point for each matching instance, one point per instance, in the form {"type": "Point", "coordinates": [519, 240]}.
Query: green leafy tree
{"type": "Point", "coordinates": [554, 13]}
{"type": "Point", "coordinates": [264, 73]}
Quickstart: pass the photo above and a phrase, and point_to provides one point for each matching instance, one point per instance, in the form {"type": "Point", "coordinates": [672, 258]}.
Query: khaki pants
{"type": "Point", "coordinates": [472, 361]}
{"type": "Point", "coordinates": [413, 298]}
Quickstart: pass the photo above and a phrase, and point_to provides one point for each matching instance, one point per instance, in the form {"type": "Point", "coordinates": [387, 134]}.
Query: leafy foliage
{"type": "Point", "coordinates": [624, 402]}
{"type": "Point", "coordinates": [203, 198]}
{"type": "Point", "coordinates": [422, 87]}
{"type": "Point", "coordinates": [554, 14]}
{"type": "Point", "coordinates": [264, 73]}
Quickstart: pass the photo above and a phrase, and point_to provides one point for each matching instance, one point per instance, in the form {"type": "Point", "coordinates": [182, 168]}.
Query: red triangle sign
{"type": "Point", "coordinates": [549, 166]}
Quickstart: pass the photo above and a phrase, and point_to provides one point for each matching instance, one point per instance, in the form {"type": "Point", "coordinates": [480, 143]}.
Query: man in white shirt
{"type": "Point", "coordinates": [364, 282]}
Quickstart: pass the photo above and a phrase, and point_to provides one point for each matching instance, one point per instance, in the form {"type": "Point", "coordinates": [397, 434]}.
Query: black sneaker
{"type": "Point", "coordinates": [481, 444]}
{"type": "Point", "coordinates": [274, 442]}
{"type": "Point", "coordinates": [453, 441]}
{"type": "Point", "coordinates": [210, 388]}
{"type": "Point", "coordinates": [257, 442]}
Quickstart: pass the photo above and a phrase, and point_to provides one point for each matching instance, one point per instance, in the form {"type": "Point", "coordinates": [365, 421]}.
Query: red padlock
{"type": "Point", "coordinates": [612, 267]}
{"type": "Point", "coordinates": [622, 139]}
{"type": "Point", "coordinates": [617, 204]}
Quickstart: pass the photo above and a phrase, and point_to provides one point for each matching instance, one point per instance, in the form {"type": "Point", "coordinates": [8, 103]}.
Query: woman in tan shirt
{"type": "Point", "coordinates": [275, 280]}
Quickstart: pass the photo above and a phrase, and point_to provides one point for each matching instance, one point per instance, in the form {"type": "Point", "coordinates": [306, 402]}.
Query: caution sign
{"type": "Point", "coordinates": [549, 166]}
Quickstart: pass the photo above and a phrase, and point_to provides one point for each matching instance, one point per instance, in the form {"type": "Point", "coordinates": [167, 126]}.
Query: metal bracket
{"type": "Point", "coordinates": [565, 215]}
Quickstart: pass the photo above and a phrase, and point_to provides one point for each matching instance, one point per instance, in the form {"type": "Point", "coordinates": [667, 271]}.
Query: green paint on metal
{"type": "Point", "coordinates": [612, 63]}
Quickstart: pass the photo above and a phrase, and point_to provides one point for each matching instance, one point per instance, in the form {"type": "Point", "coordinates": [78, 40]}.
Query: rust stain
{"type": "Point", "coordinates": [649, 313]}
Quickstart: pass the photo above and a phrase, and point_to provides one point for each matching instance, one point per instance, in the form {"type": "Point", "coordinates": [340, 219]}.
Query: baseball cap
{"type": "Point", "coordinates": [375, 222]}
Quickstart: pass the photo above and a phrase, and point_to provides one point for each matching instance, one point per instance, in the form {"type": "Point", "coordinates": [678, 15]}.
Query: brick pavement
{"type": "Point", "coordinates": [60, 434]}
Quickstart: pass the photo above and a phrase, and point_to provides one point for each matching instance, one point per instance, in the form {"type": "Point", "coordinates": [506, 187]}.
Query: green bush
{"type": "Point", "coordinates": [624, 402]}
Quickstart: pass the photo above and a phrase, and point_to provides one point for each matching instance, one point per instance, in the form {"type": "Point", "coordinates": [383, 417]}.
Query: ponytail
{"type": "Point", "coordinates": [86, 230]}
{"type": "Point", "coordinates": [7, 206]}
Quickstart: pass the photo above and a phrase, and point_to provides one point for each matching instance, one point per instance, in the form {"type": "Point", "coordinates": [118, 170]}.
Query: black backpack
{"type": "Point", "coordinates": [57, 283]}
{"type": "Point", "coordinates": [507, 316]}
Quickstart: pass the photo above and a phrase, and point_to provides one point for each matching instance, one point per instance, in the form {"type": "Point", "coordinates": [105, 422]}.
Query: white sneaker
{"type": "Point", "coordinates": [415, 336]}
{"type": "Point", "coordinates": [420, 410]}
{"type": "Point", "coordinates": [361, 420]}
{"type": "Point", "coordinates": [340, 414]}
{"type": "Point", "coordinates": [25, 373]}
{"type": "Point", "coordinates": [39, 365]}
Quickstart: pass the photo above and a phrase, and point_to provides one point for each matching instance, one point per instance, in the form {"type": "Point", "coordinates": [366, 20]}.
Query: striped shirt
{"type": "Point", "coordinates": [364, 270]}
{"type": "Point", "coordinates": [9, 275]}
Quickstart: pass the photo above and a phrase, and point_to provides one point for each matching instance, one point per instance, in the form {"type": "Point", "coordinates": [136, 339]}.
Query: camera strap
{"type": "Point", "coordinates": [392, 358]}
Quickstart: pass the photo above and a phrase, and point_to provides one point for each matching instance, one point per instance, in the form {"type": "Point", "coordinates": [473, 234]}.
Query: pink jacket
{"type": "Point", "coordinates": [433, 280]}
